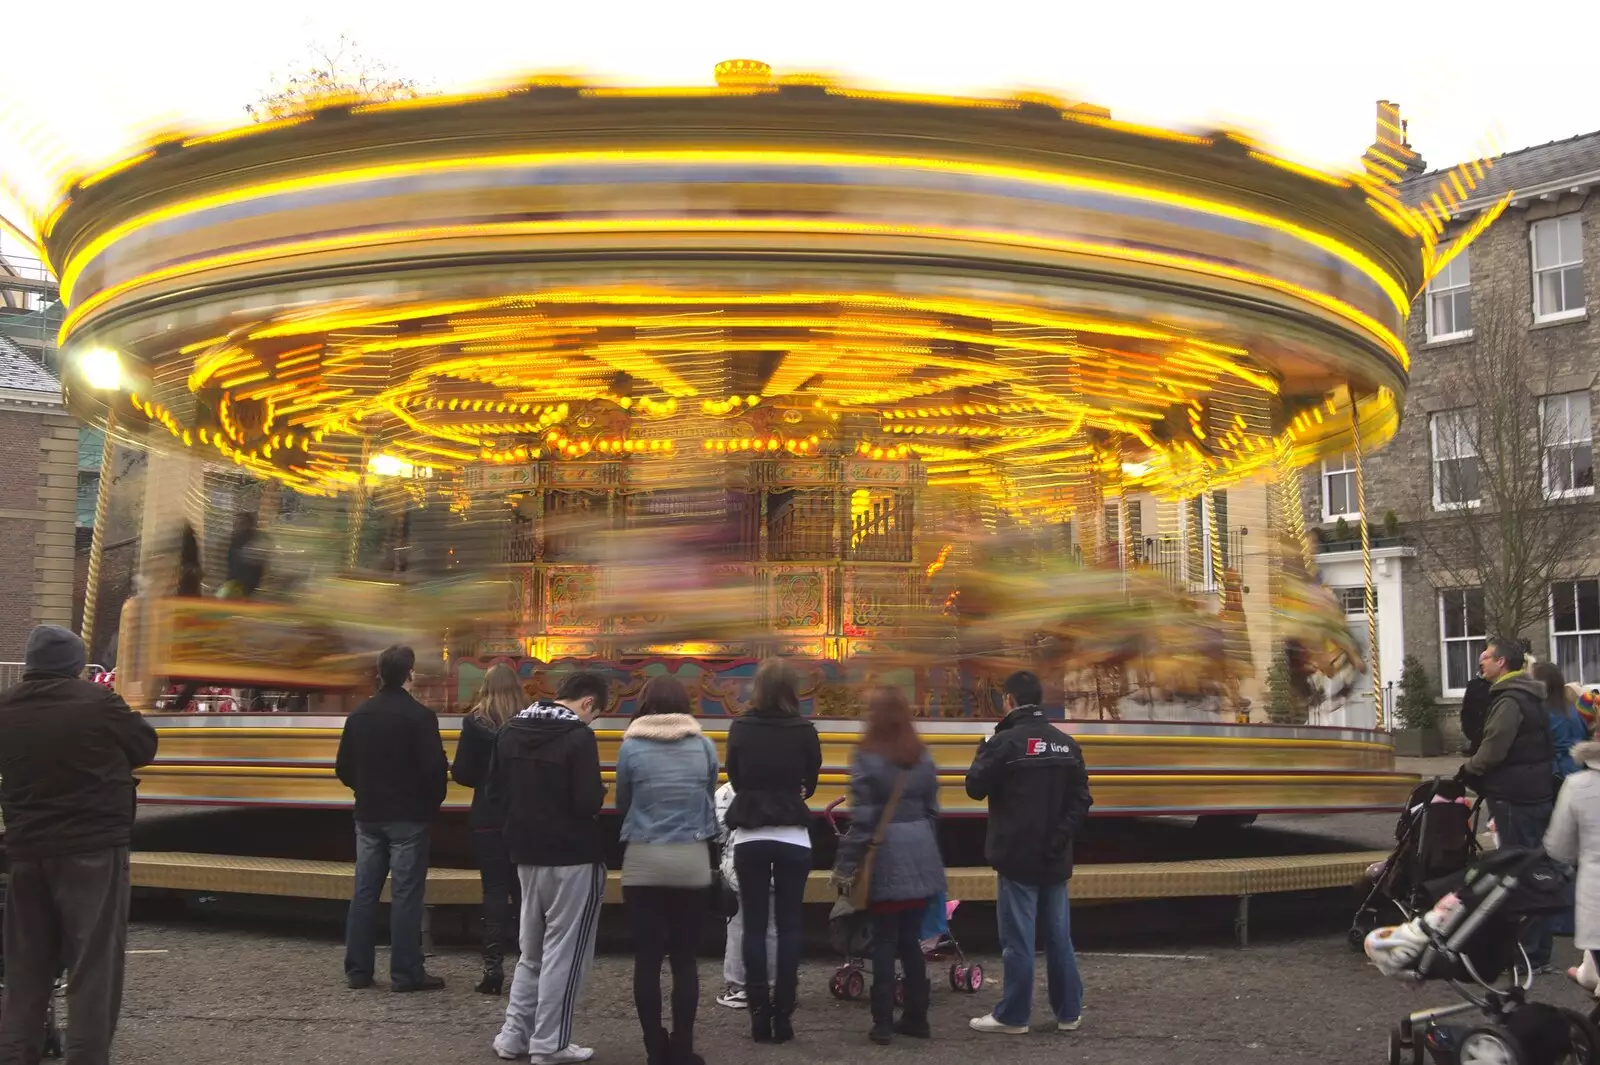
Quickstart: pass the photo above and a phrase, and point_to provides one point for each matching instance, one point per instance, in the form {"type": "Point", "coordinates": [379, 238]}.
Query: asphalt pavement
{"type": "Point", "coordinates": [204, 992]}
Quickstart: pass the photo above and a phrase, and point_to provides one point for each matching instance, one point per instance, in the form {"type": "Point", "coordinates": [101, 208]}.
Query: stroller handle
{"type": "Point", "coordinates": [833, 819]}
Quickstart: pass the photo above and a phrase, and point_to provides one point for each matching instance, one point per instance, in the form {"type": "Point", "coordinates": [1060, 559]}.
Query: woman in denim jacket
{"type": "Point", "coordinates": [666, 778]}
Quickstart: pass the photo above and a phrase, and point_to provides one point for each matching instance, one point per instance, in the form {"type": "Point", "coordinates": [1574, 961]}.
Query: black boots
{"type": "Point", "coordinates": [494, 977]}
{"type": "Point", "coordinates": [914, 1017]}
{"type": "Point", "coordinates": [783, 1008]}
{"type": "Point", "coordinates": [882, 1012]}
{"type": "Point", "coordinates": [680, 1050]}
{"type": "Point", "coordinates": [760, 1013]}
{"type": "Point", "coordinates": [657, 1047]}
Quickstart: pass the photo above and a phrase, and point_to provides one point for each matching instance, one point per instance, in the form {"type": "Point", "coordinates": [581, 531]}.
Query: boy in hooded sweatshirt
{"type": "Point", "coordinates": [547, 780]}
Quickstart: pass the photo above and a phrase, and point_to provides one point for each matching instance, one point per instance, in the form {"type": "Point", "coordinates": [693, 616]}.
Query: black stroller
{"type": "Point", "coordinates": [1472, 941]}
{"type": "Point", "coordinates": [52, 1029]}
{"type": "Point", "coordinates": [1434, 837]}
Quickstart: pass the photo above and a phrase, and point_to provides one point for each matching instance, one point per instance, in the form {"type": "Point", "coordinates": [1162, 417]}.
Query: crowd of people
{"type": "Point", "coordinates": [695, 851]}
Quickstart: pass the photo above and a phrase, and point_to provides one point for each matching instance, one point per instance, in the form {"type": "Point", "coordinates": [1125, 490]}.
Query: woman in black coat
{"type": "Point", "coordinates": [774, 757]}
{"type": "Point", "coordinates": [499, 700]}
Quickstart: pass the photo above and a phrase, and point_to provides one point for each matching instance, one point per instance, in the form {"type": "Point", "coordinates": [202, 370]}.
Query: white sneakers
{"type": "Point", "coordinates": [570, 1054]}
{"type": "Point", "coordinates": [735, 998]}
{"type": "Point", "coordinates": [988, 1023]}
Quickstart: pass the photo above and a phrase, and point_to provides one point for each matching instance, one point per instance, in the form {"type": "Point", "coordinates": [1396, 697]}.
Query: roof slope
{"type": "Point", "coordinates": [1526, 168]}
{"type": "Point", "coordinates": [21, 373]}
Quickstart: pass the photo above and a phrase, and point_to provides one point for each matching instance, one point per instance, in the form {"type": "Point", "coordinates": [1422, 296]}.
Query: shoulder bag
{"type": "Point", "coordinates": [861, 884]}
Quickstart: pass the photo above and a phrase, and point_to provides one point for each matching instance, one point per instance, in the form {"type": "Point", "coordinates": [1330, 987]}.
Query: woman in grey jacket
{"type": "Point", "coordinates": [908, 869]}
{"type": "Point", "coordinates": [666, 777]}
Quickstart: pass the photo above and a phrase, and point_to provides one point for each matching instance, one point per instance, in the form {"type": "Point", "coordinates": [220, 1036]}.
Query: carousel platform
{"type": "Point", "coordinates": [1236, 878]}
{"type": "Point", "coordinates": [1143, 768]}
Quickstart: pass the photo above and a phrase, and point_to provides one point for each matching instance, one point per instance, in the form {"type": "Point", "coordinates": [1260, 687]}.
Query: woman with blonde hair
{"type": "Point", "coordinates": [499, 699]}
{"type": "Point", "coordinates": [774, 758]}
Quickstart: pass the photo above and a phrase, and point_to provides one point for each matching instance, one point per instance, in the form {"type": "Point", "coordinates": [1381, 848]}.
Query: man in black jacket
{"type": "Point", "coordinates": [1513, 767]}
{"type": "Point", "coordinates": [391, 756]}
{"type": "Point", "coordinates": [547, 780]}
{"type": "Point", "coordinates": [68, 749]}
{"type": "Point", "coordinates": [1034, 777]}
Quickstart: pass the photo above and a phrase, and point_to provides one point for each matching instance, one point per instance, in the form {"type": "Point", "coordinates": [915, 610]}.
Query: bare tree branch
{"type": "Point", "coordinates": [1492, 513]}
{"type": "Point", "coordinates": [331, 74]}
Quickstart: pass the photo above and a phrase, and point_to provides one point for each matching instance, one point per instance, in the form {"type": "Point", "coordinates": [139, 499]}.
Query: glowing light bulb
{"type": "Point", "coordinates": [102, 369]}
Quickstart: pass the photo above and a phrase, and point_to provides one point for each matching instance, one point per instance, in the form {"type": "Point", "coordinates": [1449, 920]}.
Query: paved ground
{"type": "Point", "coordinates": [213, 982]}
{"type": "Point", "coordinates": [235, 994]}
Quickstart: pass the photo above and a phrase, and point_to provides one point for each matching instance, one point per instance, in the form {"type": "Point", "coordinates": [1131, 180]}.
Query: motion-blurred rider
{"type": "Point", "coordinates": [68, 749]}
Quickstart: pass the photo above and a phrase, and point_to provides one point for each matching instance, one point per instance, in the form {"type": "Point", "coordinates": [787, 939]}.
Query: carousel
{"type": "Point", "coordinates": [912, 390]}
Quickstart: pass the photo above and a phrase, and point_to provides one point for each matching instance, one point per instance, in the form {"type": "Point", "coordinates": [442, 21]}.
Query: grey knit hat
{"type": "Point", "coordinates": [52, 649]}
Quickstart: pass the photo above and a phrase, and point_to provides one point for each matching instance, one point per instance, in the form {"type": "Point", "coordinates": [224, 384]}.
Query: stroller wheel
{"type": "Point", "coordinates": [1585, 1048]}
{"type": "Point", "coordinates": [1404, 1050]}
{"type": "Point", "coordinates": [836, 985]}
{"type": "Point", "coordinates": [1357, 937]}
{"type": "Point", "coordinates": [1489, 1045]}
{"type": "Point", "coordinates": [855, 984]}
{"type": "Point", "coordinates": [958, 976]}
{"type": "Point", "coordinates": [899, 990]}
{"type": "Point", "coordinates": [974, 982]}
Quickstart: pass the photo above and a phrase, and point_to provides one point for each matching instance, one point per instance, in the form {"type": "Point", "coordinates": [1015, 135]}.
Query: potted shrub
{"type": "Point", "coordinates": [1417, 714]}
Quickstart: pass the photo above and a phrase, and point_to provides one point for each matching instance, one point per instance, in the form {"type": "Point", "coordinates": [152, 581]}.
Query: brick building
{"type": "Point", "coordinates": [1521, 302]}
{"type": "Point", "coordinates": [38, 497]}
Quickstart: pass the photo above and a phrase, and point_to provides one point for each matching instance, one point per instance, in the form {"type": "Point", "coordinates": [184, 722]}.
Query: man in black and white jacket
{"type": "Point", "coordinates": [547, 779]}
{"type": "Point", "coordinates": [1033, 776]}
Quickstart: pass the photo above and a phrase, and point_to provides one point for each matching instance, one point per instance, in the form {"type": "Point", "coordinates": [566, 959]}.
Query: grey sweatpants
{"type": "Point", "coordinates": [69, 912]}
{"type": "Point", "coordinates": [560, 912]}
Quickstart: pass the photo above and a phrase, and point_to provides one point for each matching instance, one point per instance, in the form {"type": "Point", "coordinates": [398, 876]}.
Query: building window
{"type": "Point", "coordinates": [1455, 458]}
{"type": "Point", "coordinates": [1450, 300]}
{"type": "Point", "coordinates": [1339, 488]}
{"type": "Point", "coordinates": [1568, 445]}
{"type": "Point", "coordinates": [1575, 629]}
{"type": "Point", "coordinates": [1557, 268]}
{"type": "Point", "coordinates": [1352, 600]}
{"type": "Point", "coordinates": [1462, 634]}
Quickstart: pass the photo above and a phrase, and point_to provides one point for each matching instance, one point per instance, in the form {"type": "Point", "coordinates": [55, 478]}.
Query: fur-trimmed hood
{"type": "Point", "coordinates": [1587, 753]}
{"type": "Point", "coordinates": [663, 728]}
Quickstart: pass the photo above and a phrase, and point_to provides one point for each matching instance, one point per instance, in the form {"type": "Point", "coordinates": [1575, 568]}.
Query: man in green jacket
{"type": "Point", "coordinates": [1512, 767]}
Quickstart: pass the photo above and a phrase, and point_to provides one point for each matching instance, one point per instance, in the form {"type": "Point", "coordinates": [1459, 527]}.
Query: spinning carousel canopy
{"type": "Point", "coordinates": [1020, 294]}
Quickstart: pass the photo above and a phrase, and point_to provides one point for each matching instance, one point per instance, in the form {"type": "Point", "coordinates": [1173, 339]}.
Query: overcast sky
{"type": "Point", "coordinates": [80, 79]}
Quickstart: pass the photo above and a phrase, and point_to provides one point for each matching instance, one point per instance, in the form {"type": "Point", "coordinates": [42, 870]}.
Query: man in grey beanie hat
{"type": "Point", "coordinates": [68, 749]}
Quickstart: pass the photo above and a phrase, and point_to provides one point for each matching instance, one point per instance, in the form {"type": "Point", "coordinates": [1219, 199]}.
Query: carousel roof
{"type": "Point", "coordinates": [1020, 294]}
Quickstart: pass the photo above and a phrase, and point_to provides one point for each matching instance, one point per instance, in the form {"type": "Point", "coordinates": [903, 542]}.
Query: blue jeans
{"type": "Point", "coordinates": [383, 848]}
{"type": "Point", "coordinates": [1521, 824]}
{"type": "Point", "coordinates": [1024, 911]}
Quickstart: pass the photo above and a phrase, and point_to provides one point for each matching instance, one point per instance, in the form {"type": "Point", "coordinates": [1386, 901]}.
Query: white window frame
{"type": "Point", "coordinates": [1347, 465]}
{"type": "Point", "coordinates": [1448, 283]}
{"type": "Point", "coordinates": [1446, 641]}
{"type": "Point", "coordinates": [1343, 595]}
{"type": "Point", "coordinates": [1549, 442]}
{"type": "Point", "coordinates": [1434, 460]}
{"type": "Point", "coordinates": [1574, 672]}
{"type": "Point", "coordinates": [1539, 314]}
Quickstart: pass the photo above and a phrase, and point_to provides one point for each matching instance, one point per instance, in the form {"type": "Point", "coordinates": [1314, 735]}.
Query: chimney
{"type": "Point", "coordinates": [1391, 158]}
